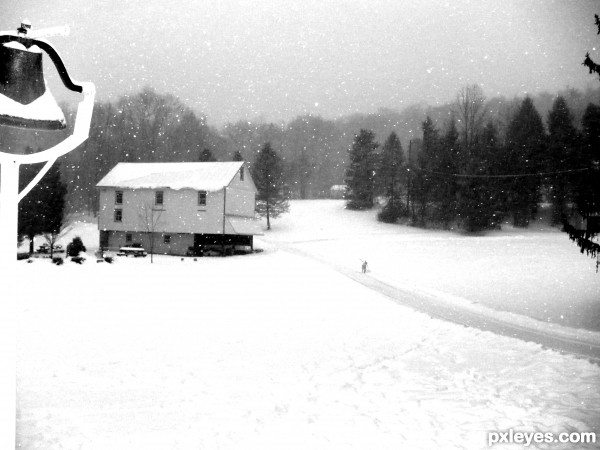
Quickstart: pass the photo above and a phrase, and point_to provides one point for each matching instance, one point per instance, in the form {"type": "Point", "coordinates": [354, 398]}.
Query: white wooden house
{"type": "Point", "coordinates": [178, 208]}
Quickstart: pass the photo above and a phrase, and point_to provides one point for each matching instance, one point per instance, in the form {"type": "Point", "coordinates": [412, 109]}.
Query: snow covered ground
{"type": "Point", "coordinates": [275, 350]}
{"type": "Point", "coordinates": [535, 272]}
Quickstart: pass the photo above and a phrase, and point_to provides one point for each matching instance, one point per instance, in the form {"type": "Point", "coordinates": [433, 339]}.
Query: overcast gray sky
{"type": "Point", "coordinates": [276, 59]}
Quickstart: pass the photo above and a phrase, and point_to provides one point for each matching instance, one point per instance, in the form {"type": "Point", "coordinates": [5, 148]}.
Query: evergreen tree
{"type": "Point", "coordinates": [390, 177]}
{"type": "Point", "coordinates": [586, 186]}
{"type": "Point", "coordinates": [75, 247]}
{"type": "Point", "coordinates": [207, 156]}
{"type": "Point", "coordinates": [587, 195]}
{"type": "Point", "coordinates": [562, 145]}
{"type": "Point", "coordinates": [361, 171]}
{"type": "Point", "coordinates": [424, 180]}
{"type": "Point", "coordinates": [524, 158]}
{"type": "Point", "coordinates": [588, 62]}
{"type": "Point", "coordinates": [267, 172]}
{"type": "Point", "coordinates": [448, 164]}
{"type": "Point", "coordinates": [480, 195]}
{"type": "Point", "coordinates": [29, 223]}
{"type": "Point", "coordinates": [237, 156]}
{"type": "Point", "coordinates": [41, 211]}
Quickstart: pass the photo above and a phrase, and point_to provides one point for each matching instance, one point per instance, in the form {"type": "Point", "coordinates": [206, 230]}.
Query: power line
{"type": "Point", "coordinates": [515, 175]}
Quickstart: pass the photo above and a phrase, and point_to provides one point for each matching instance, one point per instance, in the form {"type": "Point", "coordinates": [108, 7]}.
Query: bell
{"type": "Point", "coordinates": [25, 101]}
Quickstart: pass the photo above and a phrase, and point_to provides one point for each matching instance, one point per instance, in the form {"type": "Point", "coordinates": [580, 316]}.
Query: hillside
{"type": "Point", "coordinates": [536, 272]}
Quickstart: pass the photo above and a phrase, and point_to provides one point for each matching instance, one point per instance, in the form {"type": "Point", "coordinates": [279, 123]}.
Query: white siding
{"type": "Point", "coordinates": [178, 246]}
{"type": "Point", "coordinates": [180, 212]}
{"type": "Point", "coordinates": [241, 195]}
{"type": "Point", "coordinates": [180, 216]}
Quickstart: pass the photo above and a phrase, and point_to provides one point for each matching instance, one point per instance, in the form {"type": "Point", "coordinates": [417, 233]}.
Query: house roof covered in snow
{"type": "Point", "coordinates": [201, 176]}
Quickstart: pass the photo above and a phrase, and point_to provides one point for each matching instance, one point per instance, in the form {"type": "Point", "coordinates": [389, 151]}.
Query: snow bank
{"type": "Point", "coordinates": [534, 276]}
{"type": "Point", "coordinates": [273, 350]}
{"type": "Point", "coordinates": [269, 351]}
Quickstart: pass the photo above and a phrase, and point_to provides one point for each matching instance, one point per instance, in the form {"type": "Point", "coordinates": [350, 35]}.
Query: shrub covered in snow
{"type": "Point", "coordinates": [75, 246]}
{"type": "Point", "coordinates": [392, 212]}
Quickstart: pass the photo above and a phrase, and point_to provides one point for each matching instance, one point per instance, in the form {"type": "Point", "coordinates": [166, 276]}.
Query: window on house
{"type": "Point", "coordinates": [201, 198]}
{"type": "Point", "coordinates": [128, 237]}
{"type": "Point", "coordinates": [242, 173]}
{"type": "Point", "coordinates": [159, 197]}
{"type": "Point", "coordinates": [118, 215]}
{"type": "Point", "coordinates": [167, 239]}
{"type": "Point", "coordinates": [119, 197]}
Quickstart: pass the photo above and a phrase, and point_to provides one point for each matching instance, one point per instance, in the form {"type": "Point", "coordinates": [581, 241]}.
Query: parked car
{"type": "Point", "coordinates": [45, 248]}
{"type": "Point", "coordinates": [134, 249]}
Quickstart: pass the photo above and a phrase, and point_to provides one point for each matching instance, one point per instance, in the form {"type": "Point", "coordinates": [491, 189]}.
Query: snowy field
{"type": "Point", "coordinates": [275, 350]}
{"type": "Point", "coordinates": [536, 272]}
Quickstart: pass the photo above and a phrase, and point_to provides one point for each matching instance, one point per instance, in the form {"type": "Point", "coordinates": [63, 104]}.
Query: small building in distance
{"type": "Point", "coordinates": [337, 191]}
{"type": "Point", "coordinates": [178, 208]}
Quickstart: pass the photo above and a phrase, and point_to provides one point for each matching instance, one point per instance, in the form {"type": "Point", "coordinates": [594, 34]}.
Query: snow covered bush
{"type": "Point", "coordinates": [392, 212]}
{"type": "Point", "coordinates": [75, 246]}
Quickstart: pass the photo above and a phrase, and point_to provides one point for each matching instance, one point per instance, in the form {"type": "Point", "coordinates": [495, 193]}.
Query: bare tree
{"type": "Point", "coordinates": [150, 216]}
{"type": "Point", "coordinates": [469, 108]}
{"type": "Point", "coordinates": [52, 237]}
{"type": "Point", "coordinates": [506, 112]}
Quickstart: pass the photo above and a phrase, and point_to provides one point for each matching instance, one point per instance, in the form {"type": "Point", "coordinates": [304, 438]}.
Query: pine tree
{"type": "Point", "coordinates": [75, 247]}
{"type": "Point", "coordinates": [29, 225]}
{"type": "Point", "coordinates": [587, 195]}
{"type": "Point", "coordinates": [562, 143]}
{"type": "Point", "coordinates": [237, 156]}
{"type": "Point", "coordinates": [41, 211]}
{"type": "Point", "coordinates": [526, 141]}
{"type": "Point", "coordinates": [207, 156]}
{"type": "Point", "coordinates": [424, 180]}
{"type": "Point", "coordinates": [448, 164]}
{"type": "Point", "coordinates": [586, 187]}
{"type": "Point", "coordinates": [480, 195]}
{"type": "Point", "coordinates": [390, 177]}
{"type": "Point", "coordinates": [267, 172]}
{"type": "Point", "coordinates": [588, 62]}
{"type": "Point", "coordinates": [361, 171]}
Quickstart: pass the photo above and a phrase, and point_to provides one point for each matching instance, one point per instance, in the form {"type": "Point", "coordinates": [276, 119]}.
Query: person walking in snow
{"type": "Point", "coordinates": [364, 267]}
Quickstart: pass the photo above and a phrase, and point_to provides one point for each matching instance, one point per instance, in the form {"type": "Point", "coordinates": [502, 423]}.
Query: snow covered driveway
{"type": "Point", "coordinates": [269, 351]}
{"type": "Point", "coordinates": [532, 283]}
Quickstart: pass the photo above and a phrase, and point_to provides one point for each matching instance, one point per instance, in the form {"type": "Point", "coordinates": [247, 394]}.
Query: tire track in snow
{"type": "Point", "coordinates": [454, 313]}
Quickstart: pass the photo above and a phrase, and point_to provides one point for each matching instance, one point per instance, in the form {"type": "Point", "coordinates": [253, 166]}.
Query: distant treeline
{"type": "Point", "coordinates": [471, 175]}
{"type": "Point", "coordinates": [148, 126]}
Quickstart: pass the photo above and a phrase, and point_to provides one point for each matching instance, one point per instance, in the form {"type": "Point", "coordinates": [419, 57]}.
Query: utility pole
{"type": "Point", "coordinates": [408, 181]}
{"type": "Point", "coordinates": [23, 83]}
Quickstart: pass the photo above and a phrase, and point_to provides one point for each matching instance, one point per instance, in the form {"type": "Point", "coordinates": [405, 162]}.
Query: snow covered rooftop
{"type": "Point", "coordinates": [205, 176]}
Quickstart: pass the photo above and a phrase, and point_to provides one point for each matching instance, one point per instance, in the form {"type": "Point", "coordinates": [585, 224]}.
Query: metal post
{"type": "Point", "coordinates": [224, 212]}
{"type": "Point", "coordinates": [9, 199]}
{"type": "Point", "coordinates": [408, 178]}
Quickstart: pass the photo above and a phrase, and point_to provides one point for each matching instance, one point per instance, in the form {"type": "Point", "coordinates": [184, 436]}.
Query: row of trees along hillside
{"type": "Point", "coordinates": [467, 174]}
{"type": "Point", "coordinates": [149, 126]}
